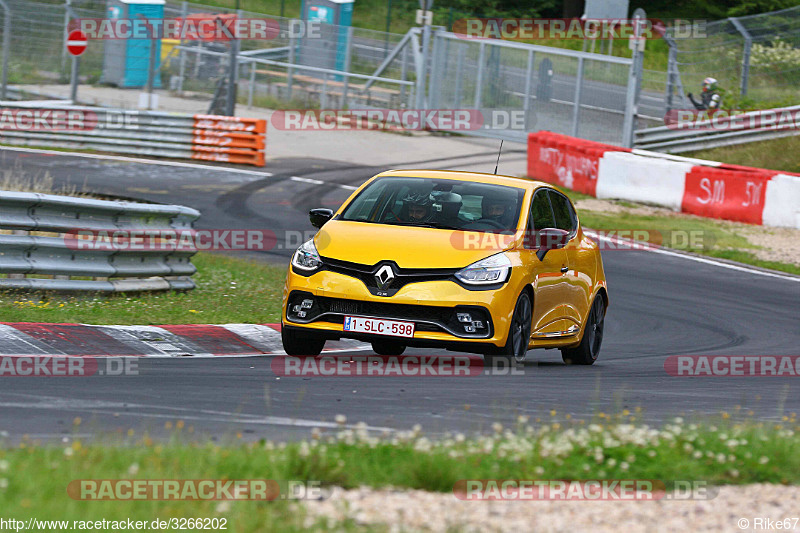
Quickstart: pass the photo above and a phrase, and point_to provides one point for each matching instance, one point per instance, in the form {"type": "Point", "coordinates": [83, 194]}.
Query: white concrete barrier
{"type": "Point", "coordinates": [782, 202]}
{"type": "Point", "coordinates": [642, 179]}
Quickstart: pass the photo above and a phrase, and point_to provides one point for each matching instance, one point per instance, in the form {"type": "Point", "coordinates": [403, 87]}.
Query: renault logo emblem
{"type": "Point", "coordinates": [384, 276]}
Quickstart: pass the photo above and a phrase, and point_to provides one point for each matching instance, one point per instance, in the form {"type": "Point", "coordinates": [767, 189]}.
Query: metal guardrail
{"type": "Point", "coordinates": [153, 133]}
{"type": "Point", "coordinates": [47, 260]}
{"type": "Point", "coordinates": [719, 132]}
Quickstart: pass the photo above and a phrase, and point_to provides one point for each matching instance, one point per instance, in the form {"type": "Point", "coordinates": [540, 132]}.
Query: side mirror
{"type": "Point", "coordinates": [320, 216]}
{"type": "Point", "coordinates": [550, 239]}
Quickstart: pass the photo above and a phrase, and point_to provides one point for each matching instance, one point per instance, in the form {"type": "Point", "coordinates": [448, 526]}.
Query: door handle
{"type": "Point", "coordinates": [564, 270]}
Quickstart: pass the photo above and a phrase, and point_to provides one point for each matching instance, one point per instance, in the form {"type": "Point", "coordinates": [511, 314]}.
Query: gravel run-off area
{"type": "Point", "coordinates": [769, 243]}
{"type": "Point", "coordinates": [416, 510]}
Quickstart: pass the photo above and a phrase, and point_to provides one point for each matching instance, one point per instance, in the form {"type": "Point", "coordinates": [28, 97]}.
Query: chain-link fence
{"type": "Point", "coordinates": [516, 87]}
{"type": "Point", "coordinates": [520, 87]}
{"type": "Point", "coordinates": [39, 31]}
{"type": "Point", "coordinates": [338, 63]}
{"type": "Point", "coordinates": [756, 59]}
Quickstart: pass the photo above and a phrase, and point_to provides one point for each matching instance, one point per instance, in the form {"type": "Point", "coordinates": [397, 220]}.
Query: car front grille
{"type": "Point", "coordinates": [402, 276]}
{"type": "Point", "coordinates": [408, 312]}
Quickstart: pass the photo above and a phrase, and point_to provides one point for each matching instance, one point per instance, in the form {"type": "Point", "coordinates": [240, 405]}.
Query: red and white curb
{"type": "Point", "coordinates": [196, 340]}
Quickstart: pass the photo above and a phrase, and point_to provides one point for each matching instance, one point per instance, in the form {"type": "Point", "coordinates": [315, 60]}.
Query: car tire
{"type": "Point", "coordinates": [587, 351]}
{"type": "Point", "coordinates": [295, 343]}
{"type": "Point", "coordinates": [384, 347]}
{"type": "Point", "coordinates": [519, 335]}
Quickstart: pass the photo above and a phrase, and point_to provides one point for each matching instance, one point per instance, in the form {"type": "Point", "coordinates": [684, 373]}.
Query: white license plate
{"type": "Point", "coordinates": [377, 326]}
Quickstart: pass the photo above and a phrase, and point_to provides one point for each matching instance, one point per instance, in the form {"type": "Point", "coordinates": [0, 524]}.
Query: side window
{"type": "Point", "coordinates": [363, 207]}
{"type": "Point", "coordinates": [541, 214]}
{"type": "Point", "coordinates": [565, 216]}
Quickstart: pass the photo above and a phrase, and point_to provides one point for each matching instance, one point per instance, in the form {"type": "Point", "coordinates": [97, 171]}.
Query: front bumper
{"type": "Point", "coordinates": [433, 306]}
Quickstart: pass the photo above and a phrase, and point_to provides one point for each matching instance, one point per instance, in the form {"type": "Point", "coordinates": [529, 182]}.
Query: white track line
{"type": "Point", "coordinates": [125, 409]}
{"type": "Point", "coordinates": [673, 253]}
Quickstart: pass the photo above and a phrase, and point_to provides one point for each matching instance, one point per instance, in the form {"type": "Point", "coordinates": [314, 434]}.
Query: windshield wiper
{"type": "Point", "coordinates": [436, 225]}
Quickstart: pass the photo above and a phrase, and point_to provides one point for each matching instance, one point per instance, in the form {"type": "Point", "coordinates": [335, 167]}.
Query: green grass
{"type": "Point", "coordinates": [269, 101]}
{"type": "Point", "coordinates": [229, 290]}
{"type": "Point", "coordinates": [731, 449]}
{"type": "Point", "coordinates": [776, 154]}
{"type": "Point", "coordinates": [748, 258]}
{"type": "Point", "coordinates": [716, 235]}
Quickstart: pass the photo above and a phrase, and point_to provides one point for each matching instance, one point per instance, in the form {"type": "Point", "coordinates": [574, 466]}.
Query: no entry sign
{"type": "Point", "coordinates": [77, 42]}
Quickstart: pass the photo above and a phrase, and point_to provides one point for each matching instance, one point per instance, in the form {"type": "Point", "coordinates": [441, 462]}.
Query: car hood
{"type": "Point", "coordinates": [408, 246]}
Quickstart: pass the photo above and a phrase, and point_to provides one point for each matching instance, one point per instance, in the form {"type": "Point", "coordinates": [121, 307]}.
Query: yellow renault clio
{"type": "Point", "coordinates": [463, 261]}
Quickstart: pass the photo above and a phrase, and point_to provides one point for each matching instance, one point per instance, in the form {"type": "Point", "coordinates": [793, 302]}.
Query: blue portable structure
{"type": "Point", "coordinates": [126, 61]}
{"type": "Point", "coordinates": [331, 50]}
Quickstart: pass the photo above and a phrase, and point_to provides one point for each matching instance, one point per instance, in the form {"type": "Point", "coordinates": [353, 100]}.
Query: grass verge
{"type": "Point", "coordinates": [776, 154]}
{"type": "Point", "coordinates": [714, 238]}
{"type": "Point", "coordinates": [730, 449]}
{"type": "Point", "coordinates": [229, 290]}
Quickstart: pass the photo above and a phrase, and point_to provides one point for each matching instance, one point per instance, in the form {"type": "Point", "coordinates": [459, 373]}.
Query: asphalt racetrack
{"type": "Point", "coordinates": [661, 305]}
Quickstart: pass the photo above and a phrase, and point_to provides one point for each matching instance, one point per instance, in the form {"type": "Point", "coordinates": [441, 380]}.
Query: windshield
{"type": "Point", "coordinates": [429, 202]}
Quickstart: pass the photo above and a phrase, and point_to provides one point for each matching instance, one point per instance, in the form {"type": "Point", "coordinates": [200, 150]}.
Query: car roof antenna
{"type": "Point", "coordinates": [498, 157]}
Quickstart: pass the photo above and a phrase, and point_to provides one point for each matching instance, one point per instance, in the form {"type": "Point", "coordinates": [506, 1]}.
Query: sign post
{"type": "Point", "coordinates": [76, 45]}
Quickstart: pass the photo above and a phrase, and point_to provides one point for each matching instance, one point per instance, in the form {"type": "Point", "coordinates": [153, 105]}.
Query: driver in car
{"type": "Point", "coordinates": [420, 208]}
{"type": "Point", "coordinates": [497, 209]}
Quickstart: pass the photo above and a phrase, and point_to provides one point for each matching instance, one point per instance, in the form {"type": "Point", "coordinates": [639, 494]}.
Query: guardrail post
{"type": "Point", "coordinates": [73, 80]}
{"type": "Point", "coordinates": [479, 77]}
{"type": "Point", "coordinates": [746, 65]}
{"type": "Point", "coordinates": [526, 105]}
{"type": "Point", "coordinates": [347, 59]}
{"type": "Point", "coordinates": [233, 75]}
{"type": "Point", "coordinates": [422, 73]}
{"type": "Point", "coordinates": [576, 110]}
{"type": "Point", "coordinates": [672, 66]}
{"type": "Point", "coordinates": [459, 71]}
{"type": "Point", "coordinates": [6, 47]}
{"type": "Point", "coordinates": [182, 66]}
{"type": "Point", "coordinates": [323, 98]}
{"type": "Point", "coordinates": [67, 9]}
{"type": "Point", "coordinates": [635, 73]}
{"type": "Point", "coordinates": [748, 44]}
{"type": "Point", "coordinates": [290, 70]}
{"type": "Point", "coordinates": [404, 72]}
{"type": "Point", "coordinates": [197, 56]}
{"type": "Point", "coordinates": [252, 84]}
{"type": "Point", "coordinates": [437, 45]}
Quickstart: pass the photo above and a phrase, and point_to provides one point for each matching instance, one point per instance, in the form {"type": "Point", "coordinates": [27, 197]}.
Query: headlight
{"type": "Point", "coordinates": [493, 269]}
{"type": "Point", "coordinates": [306, 257]}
